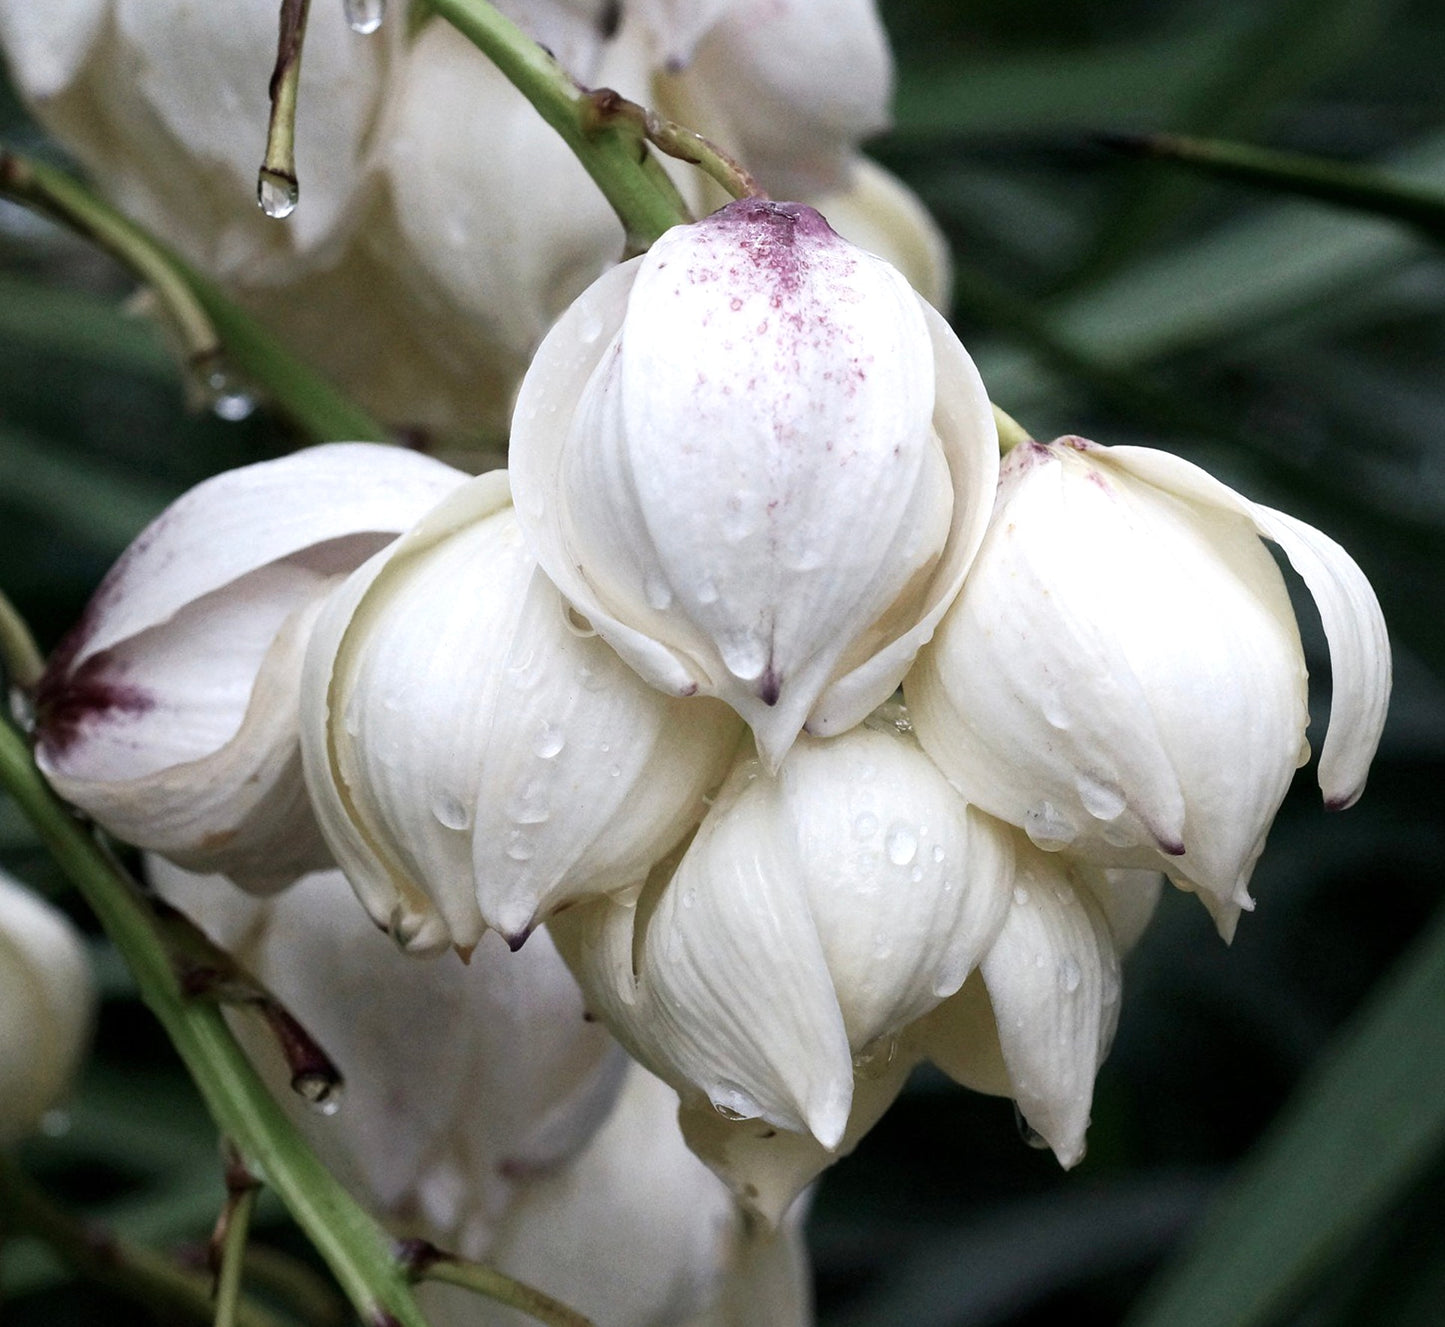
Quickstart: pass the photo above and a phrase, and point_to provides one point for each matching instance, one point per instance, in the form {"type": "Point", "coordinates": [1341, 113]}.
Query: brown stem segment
{"type": "Point", "coordinates": [423, 1261]}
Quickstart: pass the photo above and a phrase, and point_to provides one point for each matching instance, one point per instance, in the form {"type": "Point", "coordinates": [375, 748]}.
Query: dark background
{"type": "Point", "coordinates": [1295, 350]}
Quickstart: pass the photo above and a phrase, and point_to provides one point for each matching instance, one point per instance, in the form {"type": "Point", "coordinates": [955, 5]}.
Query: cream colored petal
{"type": "Point", "coordinates": [1360, 660]}
{"type": "Point", "coordinates": [960, 1036]}
{"type": "Point", "coordinates": [767, 1168]}
{"type": "Point", "coordinates": [1053, 980]}
{"type": "Point", "coordinates": [1126, 898]}
{"type": "Point", "coordinates": [47, 1006]}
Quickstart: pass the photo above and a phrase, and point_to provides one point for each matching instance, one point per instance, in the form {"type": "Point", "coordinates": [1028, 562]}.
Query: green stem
{"type": "Point", "coordinates": [1010, 431]}
{"type": "Point", "coordinates": [20, 657]}
{"type": "Point", "coordinates": [613, 154]}
{"type": "Point", "coordinates": [125, 1268]}
{"type": "Point", "coordinates": [428, 1263]}
{"type": "Point", "coordinates": [276, 185]}
{"type": "Point", "coordinates": [357, 1251]}
{"type": "Point", "coordinates": [233, 1256]}
{"type": "Point", "coordinates": [214, 332]}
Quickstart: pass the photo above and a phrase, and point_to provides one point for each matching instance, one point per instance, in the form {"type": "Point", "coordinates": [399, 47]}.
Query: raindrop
{"type": "Point", "coordinates": [529, 804]}
{"type": "Point", "coordinates": [689, 897]}
{"type": "Point", "coordinates": [866, 826]}
{"type": "Point", "coordinates": [937, 852]}
{"type": "Point", "coordinates": [549, 740]}
{"type": "Point", "coordinates": [319, 1091]}
{"type": "Point", "coordinates": [365, 16]}
{"type": "Point", "coordinates": [873, 1060]}
{"type": "Point", "coordinates": [276, 194]}
{"type": "Point", "coordinates": [1047, 828]}
{"type": "Point", "coordinates": [1054, 712]}
{"type": "Point", "coordinates": [451, 811]}
{"type": "Point", "coordinates": [733, 1103]}
{"type": "Point", "coordinates": [229, 400]}
{"type": "Point", "coordinates": [1070, 974]}
{"type": "Point", "coordinates": [1103, 801]}
{"type": "Point", "coordinates": [902, 845]}
{"type": "Point", "coordinates": [615, 771]}
{"type": "Point", "coordinates": [1021, 896]}
{"type": "Point", "coordinates": [1027, 1132]}
{"type": "Point", "coordinates": [519, 846]}
{"type": "Point", "coordinates": [707, 592]}
{"type": "Point", "coordinates": [744, 653]}
{"type": "Point", "coordinates": [657, 591]}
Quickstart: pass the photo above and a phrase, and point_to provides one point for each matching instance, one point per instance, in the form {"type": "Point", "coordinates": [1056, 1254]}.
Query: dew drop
{"type": "Point", "coordinates": [451, 811]}
{"type": "Point", "coordinates": [937, 852]}
{"type": "Point", "coordinates": [529, 804]}
{"type": "Point", "coordinates": [902, 845]}
{"type": "Point", "coordinates": [866, 825]}
{"type": "Point", "coordinates": [657, 591]}
{"type": "Point", "coordinates": [744, 654]}
{"type": "Point", "coordinates": [738, 520]}
{"type": "Point", "coordinates": [1027, 1132]}
{"type": "Point", "coordinates": [614, 771]}
{"type": "Point", "coordinates": [873, 1060]}
{"type": "Point", "coordinates": [689, 898]}
{"type": "Point", "coordinates": [519, 846]}
{"type": "Point", "coordinates": [1102, 800]}
{"type": "Point", "coordinates": [549, 741]}
{"type": "Point", "coordinates": [229, 400]}
{"type": "Point", "coordinates": [1070, 974]}
{"type": "Point", "coordinates": [319, 1091]}
{"type": "Point", "coordinates": [1021, 896]}
{"type": "Point", "coordinates": [707, 592]}
{"type": "Point", "coordinates": [365, 16]}
{"type": "Point", "coordinates": [276, 194]}
{"type": "Point", "coordinates": [1055, 714]}
{"type": "Point", "coordinates": [1047, 828]}
{"type": "Point", "coordinates": [732, 1103]}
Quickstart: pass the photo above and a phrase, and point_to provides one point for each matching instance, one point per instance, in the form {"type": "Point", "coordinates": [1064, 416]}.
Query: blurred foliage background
{"type": "Point", "coordinates": [1268, 1143]}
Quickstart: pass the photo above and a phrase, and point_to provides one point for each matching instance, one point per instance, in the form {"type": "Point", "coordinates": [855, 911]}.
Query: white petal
{"type": "Point", "coordinates": [635, 1230]}
{"type": "Point", "coordinates": [961, 1038]}
{"type": "Point", "coordinates": [460, 1082]}
{"type": "Point", "coordinates": [47, 44]}
{"type": "Point", "coordinates": [1053, 980]}
{"type": "Point", "coordinates": [768, 1168]}
{"type": "Point", "coordinates": [1126, 898]}
{"type": "Point", "coordinates": [878, 212]}
{"type": "Point", "coordinates": [47, 1005]}
{"type": "Point", "coordinates": [716, 979]}
{"type": "Point", "coordinates": [542, 771]}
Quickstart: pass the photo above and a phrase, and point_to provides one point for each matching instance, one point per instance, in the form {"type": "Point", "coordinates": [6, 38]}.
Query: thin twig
{"type": "Point", "coordinates": [277, 187]}
{"type": "Point", "coordinates": [20, 657]}
{"type": "Point", "coordinates": [423, 1261]}
{"type": "Point", "coordinates": [228, 1242]}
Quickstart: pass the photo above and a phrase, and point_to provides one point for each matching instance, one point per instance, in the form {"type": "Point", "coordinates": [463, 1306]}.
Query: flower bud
{"type": "Point", "coordinates": [1122, 674]}
{"type": "Point", "coordinates": [169, 712]}
{"type": "Point", "coordinates": [462, 1085]}
{"type": "Point", "coordinates": [760, 465]}
{"type": "Point", "coordinates": [47, 1005]}
{"type": "Point", "coordinates": [477, 757]}
{"type": "Point", "coordinates": [814, 915]}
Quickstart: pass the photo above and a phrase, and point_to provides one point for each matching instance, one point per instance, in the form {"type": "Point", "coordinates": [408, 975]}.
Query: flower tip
{"type": "Point", "coordinates": [516, 939]}
{"type": "Point", "coordinates": [1344, 800]}
{"type": "Point", "coordinates": [827, 1114]}
{"type": "Point", "coordinates": [464, 952]}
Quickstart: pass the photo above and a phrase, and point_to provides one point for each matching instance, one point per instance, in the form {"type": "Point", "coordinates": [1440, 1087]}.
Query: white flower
{"type": "Point", "coordinates": [476, 755]}
{"type": "Point", "coordinates": [47, 1005]}
{"type": "Point", "coordinates": [1122, 674]}
{"type": "Point", "coordinates": [759, 464]}
{"type": "Point", "coordinates": [164, 102]}
{"type": "Point", "coordinates": [169, 712]}
{"type": "Point", "coordinates": [813, 917]}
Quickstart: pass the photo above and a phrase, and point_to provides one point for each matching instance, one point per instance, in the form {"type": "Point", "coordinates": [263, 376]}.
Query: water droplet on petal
{"type": "Point", "coordinates": [733, 1103]}
{"type": "Point", "coordinates": [902, 845]}
{"type": "Point", "coordinates": [1070, 974]}
{"type": "Point", "coordinates": [519, 846]}
{"type": "Point", "coordinates": [866, 825]}
{"type": "Point", "coordinates": [549, 741]}
{"type": "Point", "coordinates": [937, 852]}
{"type": "Point", "coordinates": [529, 803]}
{"type": "Point", "coordinates": [1047, 828]}
{"type": "Point", "coordinates": [276, 194]}
{"type": "Point", "coordinates": [657, 591]}
{"type": "Point", "coordinates": [1101, 799]}
{"type": "Point", "coordinates": [319, 1091]}
{"type": "Point", "coordinates": [707, 592]}
{"type": "Point", "coordinates": [1027, 1132]}
{"type": "Point", "coordinates": [873, 1060]}
{"type": "Point", "coordinates": [365, 16]}
{"type": "Point", "coordinates": [1021, 896]}
{"type": "Point", "coordinates": [229, 400]}
{"type": "Point", "coordinates": [451, 811]}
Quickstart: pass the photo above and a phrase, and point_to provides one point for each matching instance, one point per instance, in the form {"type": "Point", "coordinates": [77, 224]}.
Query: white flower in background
{"type": "Point", "coordinates": [759, 465]}
{"type": "Point", "coordinates": [47, 1005]}
{"type": "Point", "coordinates": [169, 712]}
{"type": "Point", "coordinates": [1123, 676]}
{"type": "Point", "coordinates": [442, 224]}
{"type": "Point", "coordinates": [484, 1111]}
{"type": "Point", "coordinates": [165, 104]}
{"type": "Point", "coordinates": [813, 917]}
{"type": "Point", "coordinates": [477, 757]}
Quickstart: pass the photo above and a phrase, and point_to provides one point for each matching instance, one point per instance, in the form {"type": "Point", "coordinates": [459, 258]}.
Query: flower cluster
{"type": "Point", "coordinates": [645, 690]}
{"type": "Point", "coordinates": [419, 163]}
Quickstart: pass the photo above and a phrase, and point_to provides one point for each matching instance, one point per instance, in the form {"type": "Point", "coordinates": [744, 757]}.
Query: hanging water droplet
{"type": "Point", "coordinates": [1027, 1132]}
{"type": "Point", "coordinates": [320, 1091]}
{"type": "Point", "coordinates": [866, 825]}
{"type": "Point", "coordinates": [529, 804]}
{"type": "Point", "coordinates": [549, 741]}
{"type": "Point", "coordinates": [1101, 799]}
{"type": "Point", "coordinates": [451, 811]}
{"type": "Point", "coordinates": [732, 1103]}
{"type": "Point", "coordinates": [902, 844]}
{"type": "Point", "coordinates": [276, 194]}
{"type": "Point", "coordinates": [1047, 828]}
{"type": "Point", "coordinates": [1070, 974]}
{"type": "Point", "coordinates": [365, 16]}
{"type": "Point", "coordinates": [873, 1060]}
{"type": "Point", "coordinates": [1021, 896]}
{"type": "Point", "coordinates": [937, 852]}
{"type": "Point", "coordinates": [519, 846]}
{"type": "Point", "coordinates": [229, 400]}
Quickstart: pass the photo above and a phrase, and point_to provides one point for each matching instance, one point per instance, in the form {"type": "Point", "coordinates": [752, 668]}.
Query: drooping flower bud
{"type": "Point", "coordinates": [47, 1002]}
{"type": "Point", "coordinates": [1122, 674]}
{"type": "Point", "coordinates": [814, 915]}
{"type": "Point", "coordinates": [760, 465]}
{"type": "Point", "coordinates": [169, 712]}
{"type": "Point", "coordinates": [476, 755]}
